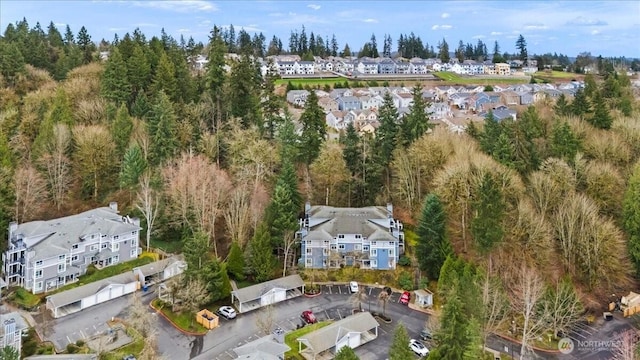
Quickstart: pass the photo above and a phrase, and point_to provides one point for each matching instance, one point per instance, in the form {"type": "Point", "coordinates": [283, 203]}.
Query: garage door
{"type": "Point", "coordinates": [116, 291]}
{"type": "Point", "coordinates": [103, 295]}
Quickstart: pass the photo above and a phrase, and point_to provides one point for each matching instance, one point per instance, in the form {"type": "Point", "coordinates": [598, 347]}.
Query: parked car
{"type": "Point", "coordinates": [418, 348]}
{"type": "Point", "coordinates": [309, 317]}
{"type": "Point", "coordinates": [405, 298]}
{"type": "Point", "coordinates": [353, 286]}
{"type": "Point", "coordinates": [425, 335]}
{"type": "Point", "coordinates": [227, 311]}
{"type": "Point", "coordinates": [129, 357]}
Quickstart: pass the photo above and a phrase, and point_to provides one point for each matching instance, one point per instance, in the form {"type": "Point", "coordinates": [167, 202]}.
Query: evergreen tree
{"type": "Point", "coordinates": [164, 78]}
{"type": "Point", "coordinates": [243, 92]}
{"type": "Point", "coordinates": [121, 129]}
{"type": "Point", "coordinates": [195, 248]}
{"type": "Point", "coordinates": [85, 45]}
{"type": "Point", "coordinates": [61, 110]}
{"type": "Point", "coordinates": [580, 105]}
{"type": "Point", "coordinates": [215, 275]}
{"type": "Point", "coordinates": [443, 51]}
{"type": "Point", "coordinates": [346, 52]}
{"type": "Point", "coordinates": [288, 140]}
{"type": "Point", "coordinates": [488, 203]}
{"type": "Point", "coordinates": [374, 46]}
{"type": "Point", "coordinates": [216, 74]}
{"type": "Point", "coordinates": [631, 216]}
{"type": "Point", "coordinates": [133, 166]}
{"type": "Point", "coordinates": [452, 338]}
{"type": "Point", "coordinates": [351, 149]}
{"type": "Point", "coordinates": [284, 207]}
{"type": "Point", "coordinates": [346, 353]}
{"type": "Point", "coordinates": [235, 262]}
{"type": "Point", "coordinates": [115, 84]}
{"type": "Point", "coordinates": [313, 129]}
{"type": "Point", "coordinates": [260, 260]}
{"type": "Point", "coordinates": [564, 143]}
{"type": "Point", "coordinates": [399, 349]}
{"type": "Point", "coordinates": [11, 61]}
{"type": "Point", "coordinates": [521, 45]}
{"type": "Point", "coordinates": [416, 123]}
{"type": "Point", "coordinates": [601, 118]}
{"type": "Point", "coordinates": [561, 107]}
{"type": "Point", "coordinates": [433, 246]}
{"type": "Point", "coordinates": [162, 130]}
{"type": "Point", "coordinates": [387, 134]}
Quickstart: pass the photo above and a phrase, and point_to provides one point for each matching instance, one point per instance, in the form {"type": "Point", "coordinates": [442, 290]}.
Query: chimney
{"type": "Point", "coordinates": [113, 206]}
{"type": "Point", "coordinates": [389, 210]}
{"type": "Point", "coordinates": [13, 227]}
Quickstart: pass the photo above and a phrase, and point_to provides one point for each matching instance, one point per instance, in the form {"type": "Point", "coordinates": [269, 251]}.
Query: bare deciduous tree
{"type": "Point", "coordinates": [357, 298]}
{"type": "Point", "coordinates": [289, 240]}
{"type": "Point", "coordinates": [30, 193]}
{"type": "Point", "coordinates": [625, 346]}
{"type": "Point", "coordinates": [197, 190]}
{"type": "Point", "coordinates": [495, 305]}
{"type": "Point", "coordinates": [253, 159]}
{"type": "Point", "coordinates": [94, 155]}
{"type": "Point", "coordinates": [193, 294]}
{"type": "Point", "coordinates": [148, 202]}
{"type": "Point", "coordinates": [328, 171]}
{"type": "Point", "coordinates": [528, 291]}
{"type": "Point", "coordinates": [140, 318]}
{"type": "Point", "coordinates": [563, 306]}
{"type": "Point", "coordinates": [237, 214]}
{"type": "Point", "coordinates": [383, 299]}
{"type": "Point", "coordinates": [266, 319]}
{"type": "Point", "coordinates": [57, 165]}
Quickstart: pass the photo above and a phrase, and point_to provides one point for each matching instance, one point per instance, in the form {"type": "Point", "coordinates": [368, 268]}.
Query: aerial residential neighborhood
{"type": "Point", "coordinates": [220, 180]}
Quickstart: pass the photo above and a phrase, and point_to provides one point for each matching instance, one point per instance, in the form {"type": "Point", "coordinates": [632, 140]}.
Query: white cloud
{"type": "Point", "coordinates": [535, 26]}
{"type": "Point", "coordinates": [441, 27]}
{"type": "Point", "coordinates": [204, 23]}
{"type": "Point", "coordinates": [116, 29]}
{"type": "Point", "coordinates": [145, 25]}
{"type": "Point", "coordinates": [445, 15]}
{"type": "Point", "coordinates": [478, 37]}
{"type": "Point", "coordinates": [496, 33]}
{"type": "Point", "coordinates": [182, 6]}
{"type": "Point", "coordinates": [183, 30]}
{"type": "Point", "coordinates": [248, 28]}
{"type": "Point", "coordinates": [314, 6]}
{"type": "Point", "coordinates": [595, 32]}
{"type": "Point", "coordinates": [583, 21]}
{"type": "Point", "coordinates": [60, 24]}
{"type": "Point", "coordinates": [370, 20]}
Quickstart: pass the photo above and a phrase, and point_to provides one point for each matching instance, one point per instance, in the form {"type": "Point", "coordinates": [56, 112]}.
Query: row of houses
{"type": "Point", "coordinates": [360, 106]}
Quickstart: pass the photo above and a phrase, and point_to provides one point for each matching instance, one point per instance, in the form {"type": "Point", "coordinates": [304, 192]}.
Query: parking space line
{"type": "Point", "coordinates": [326, 313]}
{"type": "Point", "coordinates": [370, 288]}
{"type": "Point", "coordinates": [329, 289]}
{"type": "Point", "coordinates": [340, 290]}
{"type": "Point", "coordinates": [339, 315]}
{"type": "Point", "coordinates": [69, 340]}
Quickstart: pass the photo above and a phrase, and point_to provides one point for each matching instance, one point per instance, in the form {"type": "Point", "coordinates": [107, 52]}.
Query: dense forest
{"type": "Point", "coordinates": [217, 167]}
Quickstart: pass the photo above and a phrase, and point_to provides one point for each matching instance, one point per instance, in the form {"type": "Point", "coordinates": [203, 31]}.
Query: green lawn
{"type": "Point", "coordinates": [455, 79]}
{"type": "Point", "coordinates": [133, 348]}
{"type": "Point", "coordinates": [312, 81]}
{"type": "Point", "coordinates": [25, 299]}
{"type": "Point", "coordinates": [184, 320]}
{"type": "Point", "coordinates": [556, 75]}
{"type": "Point", "coordinates": [290, 339]}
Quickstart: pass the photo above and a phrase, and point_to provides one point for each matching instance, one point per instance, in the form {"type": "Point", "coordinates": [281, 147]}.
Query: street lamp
{"type": "Point", "coordinates": [369, 298]}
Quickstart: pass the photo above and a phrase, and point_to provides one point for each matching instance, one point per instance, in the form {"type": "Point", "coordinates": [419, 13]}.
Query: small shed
{"type": "Point", "coordinates": [207, 319]}
{"type": "Point", "coordinates": [631, 300]}
{"type": "Point", "coordinates": [424, 298]}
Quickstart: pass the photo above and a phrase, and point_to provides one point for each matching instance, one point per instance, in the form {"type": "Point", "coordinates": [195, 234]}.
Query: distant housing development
{"type": "Point", "coordinates": [368, 237]}
{"type": "Point", "coordinates": [45, 255]}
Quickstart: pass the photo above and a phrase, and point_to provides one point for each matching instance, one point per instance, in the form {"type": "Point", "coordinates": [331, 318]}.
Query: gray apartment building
{"type": "Point", "coordinates": [367, 237]}
{"type": "Point", "coordinates": [11, 327]}
{"type": "Point", "coordinates": [45, 255]}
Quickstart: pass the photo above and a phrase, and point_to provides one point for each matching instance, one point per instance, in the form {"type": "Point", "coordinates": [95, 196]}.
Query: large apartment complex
{"type": "Point", "coordinates": [367, 237]}
{"type": "Point", "coordinates": [45, 255]}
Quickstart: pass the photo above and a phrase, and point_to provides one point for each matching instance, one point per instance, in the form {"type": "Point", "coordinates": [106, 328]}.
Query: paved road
{"type": "Point", "coordinates": [332, 304]}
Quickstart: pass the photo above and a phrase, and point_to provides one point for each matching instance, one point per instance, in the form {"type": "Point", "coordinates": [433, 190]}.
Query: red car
{"type": "Point", "coordinates": [405, 298]}
{"type": "Point", "coordinates": [309, 317]}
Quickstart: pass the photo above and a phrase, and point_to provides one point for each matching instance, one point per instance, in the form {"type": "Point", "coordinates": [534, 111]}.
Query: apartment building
{"type": "Point", "coordinates": [11, 326]}
{"type": "Point", "coordinates": [367, 237]}
{"type": "Point", "coordinates": [45, 255]}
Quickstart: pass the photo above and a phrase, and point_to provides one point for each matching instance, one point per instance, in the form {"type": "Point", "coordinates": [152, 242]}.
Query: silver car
{"type": "Point", "coordinates": [227, 311]}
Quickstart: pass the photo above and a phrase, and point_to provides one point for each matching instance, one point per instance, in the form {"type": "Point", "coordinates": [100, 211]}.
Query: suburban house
{"type": "Point", "coordinates": [328, 104]}
{"type": "Point", "coordinates": [12, 324]}
{"type": "Point", "coordinates": [367, 237]}
{"type": "Point", "coordinates": [352, 331]}
{"type": "Point", "coordinates": [386, 66]}
{"type": "Point", "coordinates": [335, 119]}
{"type": "Point", "coordinates": [45, 255]}
{"type": "Point", "coordinates": [297, 97]}
{"type": "Point", "coordinates": [347, 103]}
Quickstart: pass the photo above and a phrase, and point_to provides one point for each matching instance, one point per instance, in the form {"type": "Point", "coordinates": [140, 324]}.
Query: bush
{"type": "Point", "coordinates": [91, 269]}
{"type": "Point", "coordinates": [405, 281]}
{"type": "Point", "coordinates": [72, 348]}
{"type": "Point", "coordinates": [404, 261]}
{"type": "Point", "coordinates": [80, 343]}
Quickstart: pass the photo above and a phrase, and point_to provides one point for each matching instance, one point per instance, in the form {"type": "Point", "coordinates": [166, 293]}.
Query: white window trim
{"type": "Point", "coordinates": [38, 276]}
{"type": "Point", "coordinates": [115, 259]}
{"type": "Point", "coordinates": [133, 252]}
{"type": "Point", "coordinates": [63, 268]}
{"type": "Point", "coordinates": [341, 247]}
{"type": "Point", "coordinates": [38, 285]}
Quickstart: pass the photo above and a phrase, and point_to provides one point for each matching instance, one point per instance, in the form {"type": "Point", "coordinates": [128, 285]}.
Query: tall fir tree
{"type": "Point", "coordinates": [133, 166]}
{"type": "Point", "coordinates": [115, 85]}
{"type": "Point", "coordinates": [564, 143]}
{"type": "Point", "coordinates": [244, 84]}
{"type": "Point", "coordinates": [452, 337]}
{"type": "Point", "coordinates": [121, 129]}
{"type": "Point", "coordinates": [387, 134]}
{"type": "Point", "coordinates": [164, 78]}
{"type": "Point", "coordinates": [313, 129]}
{"type": "Point", "coordinates": [631, 216]}
{"type": "Point", "coordinates": [580, 105]}
{"type": "Point", "coordinates": [261, 261]}
{"type": "Point", "coordinates": [489, 206]}
{"type": "Point", "coordinates": [351, 149]}
{"type": "Point", "coordinates": [433, 246]}
{"type": "Point", "coordinates": [400, 349]}
{"type": "Point", "coordinates": [162, 130]}
{"type": "Point", "coordinates": [416, 122]}
{"type": "Point", "coordinates": [601, 118]}
{"type": "Point", "coordinates": [561, 107]}
{"type": "Point", "coordinates": [235, 262]}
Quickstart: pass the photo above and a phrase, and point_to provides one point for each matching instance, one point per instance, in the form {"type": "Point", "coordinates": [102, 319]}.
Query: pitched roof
{"type": "Point", "coordinates": [254, 292]}
{"type": "Point", "coordinates": [76, 294]}
{"type": "Point", "coordinates": [57, 236]}
{"type": "Point", "coordinates": [326, 222]}
{"type": "Point", "coordinates": [159, 266]}
{"type": "Point", "coordinates": [325, 338]}
{"type": "Point", "coordinates": [265, 344]}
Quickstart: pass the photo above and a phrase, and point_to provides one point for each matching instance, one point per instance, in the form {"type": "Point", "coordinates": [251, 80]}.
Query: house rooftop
{"type": "Point", "coordinates": [57, 236]}
{"type": "Point", "coordinates": [254, 292]}
{"type": "Point", "coordinates": [327, 222]}
{"type": "Point", "coordinates": [325, 338]}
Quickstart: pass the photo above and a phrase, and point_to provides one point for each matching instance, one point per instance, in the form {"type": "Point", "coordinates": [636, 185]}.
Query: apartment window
{"type": "Point", "coordinates": [357, 247]}
{"type": "Point", "coordinates": [39, 286]}
{"type": "Point", "coordinates": [374, 243]}
{"type": "Point", "coordinates": [116, 259]}
{"type": "Point", "coordinates": [134, 243]}
{"type": "Point", "coordinates": [133, 253]}
{"type": "Point", "coordinates": [38, 274]}
{"type": "Point", "coordinates": [39, 263]}
{"type": "Point", "coordinates": [341, 246]}
{"type": "Point", "coordinates": [115, 247]}
{"type": "Point", "coordinates": [309, 261]}
{"type": "Point", "coordinates": [61, 257]}
{"type": "Point", "coordinates": [104, 246]}
{"type": "Point", "coordinates": [325, 252]}
{"type": "Point", "coordinates": [93, 247]}
{"type": "Point", "coordinates": [308, 250]}
{"type": "Point", "coordinates": [134, 232]}
{"type": "Point", "coordinates": [75, 246]}
{"type": "Point", "coordinates": [60, 268]}
{"type": "Point", "coordinates": [74, 258]}
{"type": "Point", "coordinates": [365, 247]}
{"type": "Point", "coordinates": [374, 252]}
{"type": "Point", "coordinates": [104, 235]}
{"type": "Point", "coordinates": [334, 246]}
{"type": "Point", "coordinates": [340, 236]}
{"type": "Point", "coordinates": [116, 237]}
{"type": "Point", "coordinates": [326, 242]}
{"type": "Point", "coordinates": [358, 236]}
{"type": "Point", "coordinates": [93, 236]}
{"type": "Point", "coordinates": [390, 252]}
{"type": "Point", "coordinates": [61, 280]}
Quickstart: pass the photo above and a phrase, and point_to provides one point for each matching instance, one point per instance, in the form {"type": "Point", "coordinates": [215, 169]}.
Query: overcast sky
{"type": "Point", "coordinates": [609, 28]}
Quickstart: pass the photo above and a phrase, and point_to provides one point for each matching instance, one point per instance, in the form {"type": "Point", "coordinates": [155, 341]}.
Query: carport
{"type": "Point", "coordinates": [160, 271]}
{"type": "Point", "coordinates": [266, 293]}
{"type": "Point", "coordinates": [82, 297]}
{"type": "Point", "coordinates": [352, 331]}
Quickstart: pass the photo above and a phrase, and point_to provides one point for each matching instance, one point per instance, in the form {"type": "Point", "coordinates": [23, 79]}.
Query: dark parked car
{"type": "Point", "coordinates": [309, 317]}
{"type": "Point", "coordinates": [425, 335]}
